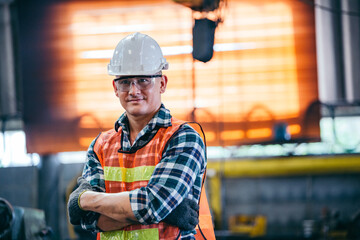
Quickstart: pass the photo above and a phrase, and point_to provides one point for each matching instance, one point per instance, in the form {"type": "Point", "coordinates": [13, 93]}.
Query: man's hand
{"type": "Point", "coordinates": [74, 210]}
{"type": "Point", "coordinates": [185, 216]}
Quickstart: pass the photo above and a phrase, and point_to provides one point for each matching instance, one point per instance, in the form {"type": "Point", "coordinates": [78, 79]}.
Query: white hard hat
{"type": "Point", "coordinates": [137, 54]}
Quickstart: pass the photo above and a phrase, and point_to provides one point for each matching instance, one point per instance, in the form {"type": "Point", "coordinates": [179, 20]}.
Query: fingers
{"type": "Point", "coordinates": [194, 222]}
{"type": "Point", "coordinates": [185, 215]}
{"type": "Point", "coordinates": [194, 217]}
{"type": "Point", "coordinates": [184, 224]}
{"type": "Point", "coordinates": [193, 204]}
{"type": "Point", "coordinates": [190, 224]}
{"type": "Point", "coordinates": [194, 214]}
{"type": "Point", "coordinates": [80, 180]}
{"type": "Point", "coordinates": [74, 211]}
{"type": "Point", "coordinates": [83, 183]}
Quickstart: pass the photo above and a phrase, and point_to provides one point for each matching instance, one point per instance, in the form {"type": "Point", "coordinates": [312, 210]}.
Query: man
{"type": "Point", "coordinates": [151, 165]}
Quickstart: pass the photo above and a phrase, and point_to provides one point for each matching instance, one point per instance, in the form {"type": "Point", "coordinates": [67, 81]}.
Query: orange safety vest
{"type": "Point", "coordinates": [129, 171]}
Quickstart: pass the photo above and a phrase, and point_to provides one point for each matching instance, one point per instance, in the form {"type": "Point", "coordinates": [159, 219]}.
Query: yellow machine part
{"type": "Point", "coordinates": [273, 167]}
{"type": "Point", "coordinates": [253, 226]}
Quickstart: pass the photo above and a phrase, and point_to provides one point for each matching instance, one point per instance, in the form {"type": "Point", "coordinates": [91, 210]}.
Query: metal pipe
{"type": "Point", "coordinates": [351, 40]}
{"type": "Point", "coordinates": [7, 73]}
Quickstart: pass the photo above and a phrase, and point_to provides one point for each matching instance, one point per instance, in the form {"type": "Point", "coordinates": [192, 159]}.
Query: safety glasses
{"type": "Point", "coordinates": [141, 82]}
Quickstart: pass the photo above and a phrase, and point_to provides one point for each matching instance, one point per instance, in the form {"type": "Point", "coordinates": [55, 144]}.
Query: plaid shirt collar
{"type": "Point", "coordinates": [161, 119]}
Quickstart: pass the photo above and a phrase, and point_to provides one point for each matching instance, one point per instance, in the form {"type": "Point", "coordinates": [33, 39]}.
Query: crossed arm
{"type": "Point", "coordinates": [115, 210]}
{"type": "Point", "coordinates": [185, 215]}
{"type": "Point", "coordinates": [177, 175]}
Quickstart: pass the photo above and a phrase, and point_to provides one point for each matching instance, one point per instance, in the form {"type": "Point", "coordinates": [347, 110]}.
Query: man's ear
{"type": "Point", "coordinates": [115, 89]}
{"type": "Point", "coordinates": [163, 83]}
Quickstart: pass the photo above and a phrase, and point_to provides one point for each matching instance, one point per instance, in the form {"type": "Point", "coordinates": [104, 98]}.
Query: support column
{"type": "Point", "coordinates": [351, 44]}
{"type": "Point", "coordinates": [7, 72]}
{"type": "Point", "coordinates": [329, 51]}
{"type": "Point", "coordinates": [49, 191]}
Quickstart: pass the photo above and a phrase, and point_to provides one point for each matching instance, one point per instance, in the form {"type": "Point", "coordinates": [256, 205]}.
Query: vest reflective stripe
{"type": "Point", "coordinates": [121, 174]}
{"type": "Point", "coordinates": [141, 234]}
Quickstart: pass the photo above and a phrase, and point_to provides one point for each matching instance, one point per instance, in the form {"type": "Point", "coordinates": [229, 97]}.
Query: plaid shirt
{"type": "Point", "coordinates": [177, 176]}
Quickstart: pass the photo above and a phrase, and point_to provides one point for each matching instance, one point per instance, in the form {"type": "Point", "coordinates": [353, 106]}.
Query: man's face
{"type": "Point", "coordinates": [140, 96]}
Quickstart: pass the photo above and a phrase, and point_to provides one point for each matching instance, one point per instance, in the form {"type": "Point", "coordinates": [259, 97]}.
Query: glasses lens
{"type": "Point", "coordinates": [140, 83]}
{"type": "Point", "coordinates": [143, 83]}
{"type": "Point", "coordinates": [124, 85]}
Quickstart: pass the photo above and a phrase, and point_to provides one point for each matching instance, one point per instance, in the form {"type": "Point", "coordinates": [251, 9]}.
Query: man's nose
{"type": "Point", "coordinates": [133, 88]}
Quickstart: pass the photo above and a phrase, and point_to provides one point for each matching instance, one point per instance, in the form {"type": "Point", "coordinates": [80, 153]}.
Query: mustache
{"type": "Point", "coordinates": [134, 98]}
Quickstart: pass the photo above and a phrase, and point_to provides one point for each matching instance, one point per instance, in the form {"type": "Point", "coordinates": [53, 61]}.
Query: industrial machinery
{"type": "Point", "coordinates": [17, 223]}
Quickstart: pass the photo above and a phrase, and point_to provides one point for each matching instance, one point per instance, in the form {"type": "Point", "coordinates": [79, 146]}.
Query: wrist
{"type": "Point", "coordinates": [84, 200]}
{"type": "Point", "coordinates": [79, 200]}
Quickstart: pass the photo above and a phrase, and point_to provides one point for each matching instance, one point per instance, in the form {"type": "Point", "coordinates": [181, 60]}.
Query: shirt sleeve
{"type": "Point", "coordinates": [94, 174]}
{"type": "Point", "coordinates": [182, 163]}
{"type": "Point", "coordinates": [93, 171]}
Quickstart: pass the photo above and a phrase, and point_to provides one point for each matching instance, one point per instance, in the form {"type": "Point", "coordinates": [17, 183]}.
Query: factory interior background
{"type": "Point", "coordinates": [274, 83]}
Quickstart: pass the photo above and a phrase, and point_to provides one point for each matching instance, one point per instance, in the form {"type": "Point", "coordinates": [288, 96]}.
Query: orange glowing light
{"type": "Point", "coordinates": [257, 133]}
{"type": "Point", "coordinates": [263, 68]}
{"type": "Point", "coordinates": [233, 135]}
{"type": "Point", "coordinates": [210, 136]}
{"type": "Point", "coordinates": [294, 129]}
{"type": "Point", "coordinates": [85, 142]}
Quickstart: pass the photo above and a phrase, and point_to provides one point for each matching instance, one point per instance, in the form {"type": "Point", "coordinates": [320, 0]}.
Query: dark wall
{"type": "Point", "coordinates": [19, 186]}
{"type": "Point", "coordinates": [41, 188]}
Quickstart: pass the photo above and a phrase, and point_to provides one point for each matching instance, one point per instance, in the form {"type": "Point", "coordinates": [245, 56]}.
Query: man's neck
{"type": "Point", "coordinates": [136, 124]}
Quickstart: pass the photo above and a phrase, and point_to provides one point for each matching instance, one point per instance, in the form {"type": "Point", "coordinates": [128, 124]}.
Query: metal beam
{"type": "Point", "coordinates": [7, 73]}
{"type": "Point", "coordinates": [329, 51]}
{"type": "Point", "coordinates": [351, 40]}
{"type": "Point", "coordinates": [6, 1]}
{"type": "Point", "coordinates": [287, 166]}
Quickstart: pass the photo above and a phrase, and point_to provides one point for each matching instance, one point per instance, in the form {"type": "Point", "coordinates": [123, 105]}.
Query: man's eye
{"type": "Point", "coordinates": [143, 80]}
{"type": "Point", "coordinates": [125, 82]}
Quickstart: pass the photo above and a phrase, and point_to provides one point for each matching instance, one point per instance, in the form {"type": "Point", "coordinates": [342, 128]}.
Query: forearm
{"type": "Point", "coordinates": [115, 206]}
{"type": "Point", "coordinates": [108, 224]}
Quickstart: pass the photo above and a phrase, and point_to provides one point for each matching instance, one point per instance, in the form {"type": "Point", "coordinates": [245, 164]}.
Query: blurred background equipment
{"type": "Point", "coordinates": [17, 223]}
{"type": "Point", "coordinates": [252, 226]}
{"type": "Point", "coordinates": [203, 39]}
{"type": "Point", "coordinates": [7, 219]}
{"type": "Point", "coordinates": [204, 28]}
